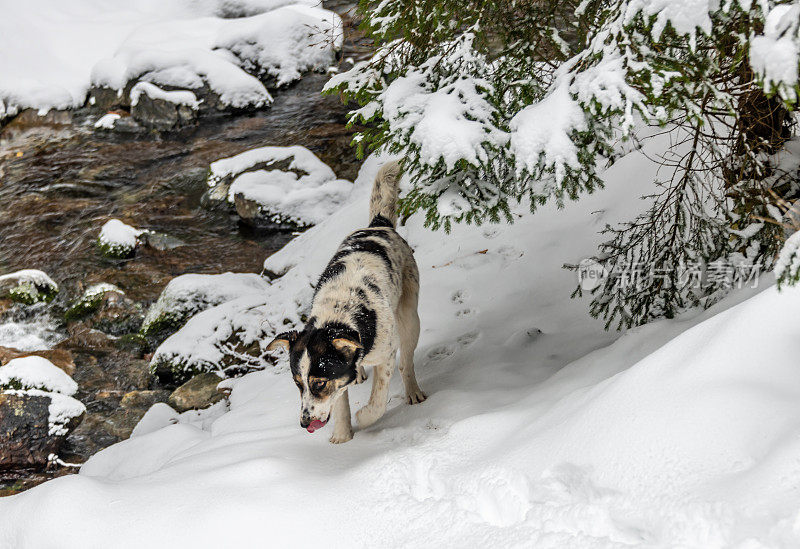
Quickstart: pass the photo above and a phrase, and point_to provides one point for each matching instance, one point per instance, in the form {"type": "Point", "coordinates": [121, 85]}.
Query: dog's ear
{"type": "Point", "coordinates": [346, 345]}
{"type": "Point", "coordinates": [284, 340]}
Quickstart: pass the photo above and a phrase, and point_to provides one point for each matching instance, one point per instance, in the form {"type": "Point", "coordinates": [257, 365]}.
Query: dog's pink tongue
{"type": "Point", "coordinates": [314, 425]}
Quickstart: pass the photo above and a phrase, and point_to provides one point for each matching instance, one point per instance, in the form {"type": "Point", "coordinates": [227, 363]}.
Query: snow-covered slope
{"type": "Point", "coordinates": [540, 430]}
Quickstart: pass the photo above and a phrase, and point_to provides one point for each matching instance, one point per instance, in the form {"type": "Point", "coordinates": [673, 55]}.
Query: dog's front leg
{"type": "Point", "coordinates": [342, 429]}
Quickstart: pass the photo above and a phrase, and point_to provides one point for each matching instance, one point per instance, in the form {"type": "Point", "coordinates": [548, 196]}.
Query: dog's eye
{"type": "Point", "coordinates": [317, 386]}
{"type": "Point", "coordinates": [298, 382]}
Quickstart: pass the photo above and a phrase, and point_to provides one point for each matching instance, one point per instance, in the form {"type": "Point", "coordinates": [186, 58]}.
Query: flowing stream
{"type": "Point", "coordinates": [60, 180]}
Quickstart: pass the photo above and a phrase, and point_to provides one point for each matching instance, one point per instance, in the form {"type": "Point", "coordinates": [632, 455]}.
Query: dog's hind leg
{"type": "Point", "coordinates": [408, 326]}
{"type": "Point", "coordinates": [342, 429]}
{"type": "Point", "coordinates": [376, 407]}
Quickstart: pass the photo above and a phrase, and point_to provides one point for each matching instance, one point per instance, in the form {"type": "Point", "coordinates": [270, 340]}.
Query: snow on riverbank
{"type": "Point", "coordinates": [182, 43]}
{"type": "Point", "coordinates": [541, 429]}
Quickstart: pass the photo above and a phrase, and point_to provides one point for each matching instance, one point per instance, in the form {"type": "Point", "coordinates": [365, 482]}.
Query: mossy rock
{"type": "Point", "coordinates": [90, 301]}
{"type": "Point", "coordinates": [115, 251]}
{"type": "Point", "coordinates": [29, 293]}
{"type": "Point", "coordinates": [136, 344]}
{"type": "Point", "coordinates": [106, 308]}
{"type": "Point", "coordinates": [28, 286]}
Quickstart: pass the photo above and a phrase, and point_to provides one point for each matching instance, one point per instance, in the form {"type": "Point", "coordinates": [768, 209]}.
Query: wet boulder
{"type": "Point", "coordinates": [143, 400]}
{"type": "Point", "coordinates": [37, 411]}
{"type": "Point", "coordinates": [34, 425]}
{"type": "Point", "coordinates": [197, 393]}
{"type": "Point", "coordinates": [162, 110]}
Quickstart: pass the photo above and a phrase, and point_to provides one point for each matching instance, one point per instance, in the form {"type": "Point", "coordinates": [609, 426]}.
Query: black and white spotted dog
{"type": "Point", "coordinates": [364, 311]}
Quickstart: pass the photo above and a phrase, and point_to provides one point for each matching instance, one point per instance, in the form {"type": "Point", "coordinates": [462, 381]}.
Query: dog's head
{"type": "Point", "coordinates": [324, 363]}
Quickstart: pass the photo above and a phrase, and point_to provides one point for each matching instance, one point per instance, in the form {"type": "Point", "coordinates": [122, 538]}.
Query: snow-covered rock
{"type": "Point", "coordinates": [181, 44]}
{"type": "Point", "coordinates": [37, 411]}
{"type": "Point", "coordinates": [106, 307]}
{"type": "Point", "coordinates": [278, 186]}
{"type": "Point", "coordinates": [226, 339]}
{"type": "Point", "coordinates": [107, 121]}
{"type": "Point", "coordinates": [160, 109]}
{"type": "Point", "coordinates": [189, 294]}
{"type": "Point", "coordinates": [35, 372]}
{"type": "Point", "coordinates": [28, 286]}
{"type": "Point", "coordinates": [118, 239]}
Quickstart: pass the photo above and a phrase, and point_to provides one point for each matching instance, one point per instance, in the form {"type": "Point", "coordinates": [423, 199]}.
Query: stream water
{"type": "Point", "coordinates": [60, 180]}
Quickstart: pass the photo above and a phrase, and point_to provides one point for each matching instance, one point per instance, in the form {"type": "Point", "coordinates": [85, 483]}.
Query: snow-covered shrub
{"type": "Point", "coordinates": [787, 268]}
{"type": "Point", "coordinates": [28, 286]}
{"type": "Point", "coordinates": [189, 294]}
{"type": "Point", "coordinates": [279, 185]}
{"type": "Point", "coordinates": [530, 100]}
{"type": "Point", "coordinates": [118, 240]}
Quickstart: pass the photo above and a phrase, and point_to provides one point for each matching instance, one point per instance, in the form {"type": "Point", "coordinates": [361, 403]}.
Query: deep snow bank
{"type": "Point", "coordinates": [540, 430]}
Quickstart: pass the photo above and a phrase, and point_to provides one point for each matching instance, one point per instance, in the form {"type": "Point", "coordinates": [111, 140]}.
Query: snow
{"type": "Point", "coordinates": [119, 236]}
{"type": "Point", "coordinates": [788, 264]}
{"type": "Point", "coordinates": [304, 194]}
{"type": "Point", "coordinates": [545, 128]}
{"type": "Point", "coordinates": [186, 52]}
{"type": "Point", "coordinates": [177, 97]}
{"type": "Point", "coordinates": [685, 16]}
{"type": "Point", "coordinates": [107, 121]}
{"type": "Point", "coordinates": [184, 43]}
{"type": "Point", "coordinates": [541, 429]}
{"type": "Point", "coordinates": [448, 124]}
{"type": "Point", "coordinates": [775, 56]}
{"type": "Point", "coordinates": [159, 415]}
{"type": "Point", "coordinates": [35, 372]}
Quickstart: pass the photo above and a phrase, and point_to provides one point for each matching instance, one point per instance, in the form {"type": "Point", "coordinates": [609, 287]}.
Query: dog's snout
{"type": "Point", "coordinates": [305, 419]}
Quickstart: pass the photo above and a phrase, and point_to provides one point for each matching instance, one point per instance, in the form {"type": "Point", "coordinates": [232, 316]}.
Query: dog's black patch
{"type": "Point", "coordinates": [367, 323]}
{"type": "Point", "coordinates": [334, 269]}
{"type": "Point", "coordinates": [367, 246]}
{"type": "Point", "coordinates": [380, 221]}
{"type": "Point", "coordinates": [371, 233]}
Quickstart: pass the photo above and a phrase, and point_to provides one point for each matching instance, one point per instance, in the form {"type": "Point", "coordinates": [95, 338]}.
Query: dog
{"type": "Point", "coordinates": [364, 310]}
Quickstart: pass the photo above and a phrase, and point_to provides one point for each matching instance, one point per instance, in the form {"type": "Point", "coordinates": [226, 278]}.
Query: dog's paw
{"type": "Point", "coordinates": [339, 438]}
{"type": "Point", "coordinates": [416, 396]}
{"type": "Point", "coordinates": [361, 375]}
{"type": "Point", "coordinates": [366, 416]}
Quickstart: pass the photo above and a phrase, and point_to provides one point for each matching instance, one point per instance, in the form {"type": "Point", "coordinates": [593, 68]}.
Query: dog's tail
{"type": "Point", "coordinates": [383, 202]}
